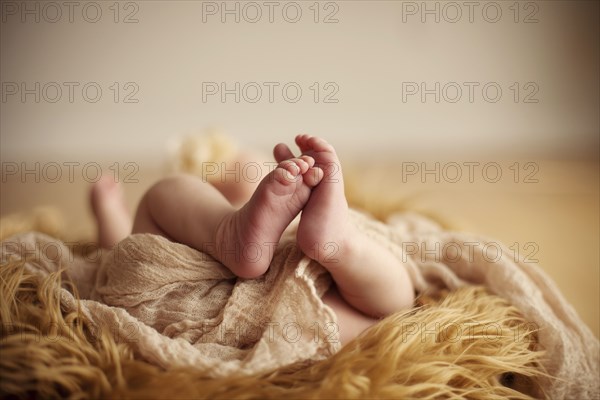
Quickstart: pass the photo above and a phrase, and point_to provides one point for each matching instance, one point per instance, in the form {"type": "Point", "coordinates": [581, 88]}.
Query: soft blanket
{"type": "Point", "coordinates": [176, 306]}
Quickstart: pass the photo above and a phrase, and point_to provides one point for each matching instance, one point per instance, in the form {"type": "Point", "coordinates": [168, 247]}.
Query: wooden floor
{"type": "Point", "coordinates": [548, 211]}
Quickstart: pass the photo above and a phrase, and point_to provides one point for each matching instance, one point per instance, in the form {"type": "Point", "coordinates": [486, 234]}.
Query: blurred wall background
{"type": "Point", "coordinates": [111, 80]}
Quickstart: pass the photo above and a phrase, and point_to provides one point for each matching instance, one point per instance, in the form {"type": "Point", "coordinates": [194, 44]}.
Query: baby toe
{"type": "Point", "coordinates": [308, 160]}
{"type": "Point", "coordinates": [313, 176]}
{"type": "Point", "coordinates": [284, 176]}
{"type": "Point", "coordinates": [282, 152]}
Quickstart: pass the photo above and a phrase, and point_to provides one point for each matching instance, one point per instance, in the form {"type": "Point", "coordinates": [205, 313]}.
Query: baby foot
{"type": "Point", "coordinates": [112, 217]}
{"type": "Point", "coordinates": [247, 237]}
{"type": "Point", "coordinates": [324, 223]}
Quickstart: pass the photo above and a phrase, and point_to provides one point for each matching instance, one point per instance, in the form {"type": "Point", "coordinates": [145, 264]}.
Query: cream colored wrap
{"type": "Point", "coordinates": [177, 306]}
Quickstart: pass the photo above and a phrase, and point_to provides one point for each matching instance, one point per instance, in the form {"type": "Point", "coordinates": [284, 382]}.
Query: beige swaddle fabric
{"type": "Point", "coordinates": [176, 306]}
{"type": "Point", "coordinates": [186, 295]}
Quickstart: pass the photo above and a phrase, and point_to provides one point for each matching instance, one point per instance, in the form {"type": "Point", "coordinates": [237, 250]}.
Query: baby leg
{"type": "Point", "coordinates": [113, 220]}
{"type": "Point", "coordinates": [367, 275]}
{"type": "Point", "coordinates": [187, 210]}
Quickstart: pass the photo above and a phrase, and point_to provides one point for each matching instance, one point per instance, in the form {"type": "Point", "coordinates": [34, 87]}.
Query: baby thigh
{"type": "Point", "coordinates": [182, 208]}
{"type": "Point", "coordinates": [351, 322]}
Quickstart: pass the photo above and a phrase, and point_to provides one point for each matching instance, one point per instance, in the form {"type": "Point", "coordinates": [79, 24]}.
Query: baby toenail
{"type": "Point", "coordinates": [296, 167]}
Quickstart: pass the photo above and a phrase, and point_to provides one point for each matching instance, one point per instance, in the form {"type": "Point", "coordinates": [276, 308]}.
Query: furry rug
{"type": "Point", "coordinates": [424, 353]}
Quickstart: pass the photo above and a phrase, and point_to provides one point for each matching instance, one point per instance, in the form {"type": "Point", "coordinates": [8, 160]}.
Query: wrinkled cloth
{"type": "Point", "coordinates": [176, 306]}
